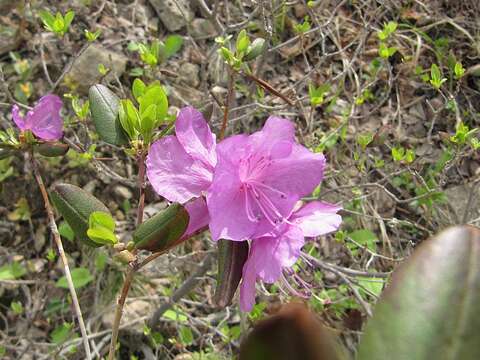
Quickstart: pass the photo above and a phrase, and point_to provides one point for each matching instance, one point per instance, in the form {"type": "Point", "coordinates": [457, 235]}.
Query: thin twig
{"type": "Point", "coordinates": [231, 83]}
{"type": "Point", "coordinates": [268, 87]}
{"type": "Point", "coordinates": [58, 241]}
{"type": "Point", "coordinates": [119, 310]}
{"type": "Point", "coordinates": [141, 186]}
{"type": "Point", "coordinates": [69, 66]}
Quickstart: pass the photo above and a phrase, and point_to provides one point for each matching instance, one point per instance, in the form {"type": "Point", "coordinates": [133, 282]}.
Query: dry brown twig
{"type": "Point", "coordinates": [63, 257]}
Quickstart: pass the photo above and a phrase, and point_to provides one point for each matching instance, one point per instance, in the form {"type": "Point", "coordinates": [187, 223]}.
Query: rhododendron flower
{"type": "Point", "coordinates": [180, 168]}
{"type": "Point", "coordinates": [270, 254]}
{"type": "Point", "coordinates": [43, 120]}
{"type": "Point", "coordinates": [258, 180]}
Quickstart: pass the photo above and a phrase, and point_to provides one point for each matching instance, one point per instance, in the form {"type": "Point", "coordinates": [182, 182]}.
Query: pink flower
{"type": "Point", "coordinates": [280, 249]}
{"type": "Point", "coordinates": [180, 168]}
{"type": "Point", "coordinates": [43, 120]}
{"type": "Point", "coordinates": [258, 180]}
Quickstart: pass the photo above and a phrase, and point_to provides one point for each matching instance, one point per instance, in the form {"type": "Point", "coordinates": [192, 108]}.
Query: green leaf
{"type": "Point", "coordinates": [163, 230]}
{"type": "Point", "coordinates": [186, 335]}
{"type": "Point", "coordinates": [365, 238]}
{"type": "Point", "coordinates": [104, 106]}
{"type": "Point", "coordinates": [12, 271]}
{"type": "Point", "coordinates": [66, 231]}
{"type": "Point", "coordinates": [76, 205]}
{"type": "Point", "coordinates": [255, 49]}
{"type": "Point", "coordinates": [62, 333]}
{"type": "Point", "coordinates": [51, 149]}
{"type": "Point", "coordinates": [138, 88]}
{"type": "Point", "coordinates": [101, 228]}
{"type": "Point", "coordinates": [16, 307]}
{"type": "Point", "coordinates": [148, 122]}
{"type": "Point", "coordinates": [80, 277]}
{"type": "Point", "coordinates": [175, 315]}
{"type": "Point", "coordinates": [459, 70]}
{"type": "Point", "coordinates": [47, 18]}
{"type": "Point", "coordinates": [430, 309]}
{"type": "Point", "coordinates": [232, 256]}
{"type": "Point", "coordinates": [173, 44]}
{"type": "Point", "coordinates": [364, 140]}
{"type": "Point", "coordinates": [129, 118]}
{"type": "Point", "coordinates": [101, 219]}
{"type": "Point", "coordinates": [243, 41]}
{"type": "Point", "coordinates": [157, 96]}
{"type": "Point", "coordinates": [68, 20]}
{"type": "Point", "coordinates": [102, 236]}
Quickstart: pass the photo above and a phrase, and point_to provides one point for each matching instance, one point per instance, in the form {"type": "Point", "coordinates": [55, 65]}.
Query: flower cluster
{"type": "Point", "coordinates": [246, 187]}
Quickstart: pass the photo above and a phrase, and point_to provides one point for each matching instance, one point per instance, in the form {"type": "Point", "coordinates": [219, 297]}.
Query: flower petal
{"type": "Point", "coordinates": [317, 218]}
{"type": "Point", "coordinates": [199, 218]}
{"type": "Point", "coordinates": [247, 287]}
{"type": "Point", "coordinates": [298, 173]}
{"type": "Point", "coordinates": [45, 120]}
{"type": "Point", "coordinates": [225, 200]}
{"type": "Point", "coordinates": [277, 252]}
{"type": "Point", "coordinates": [226, 205]}
{"type": "Point", "coordinates": [17, 118]}
{"type": "Point", "coordinates": [195, 135]}
{"type": "Point", "coordinates": [173, 173]}
{"type": "Point", "coordinates": [274, 130]}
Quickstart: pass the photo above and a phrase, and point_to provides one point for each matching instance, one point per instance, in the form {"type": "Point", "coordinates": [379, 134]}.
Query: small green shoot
{"type": "Point", "coordinates": [57, 24]}
{"type": "Point", "coordinates": [436, 79]}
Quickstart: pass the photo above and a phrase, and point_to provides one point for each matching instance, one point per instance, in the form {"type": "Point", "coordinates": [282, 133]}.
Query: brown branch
{"type": "Point", "coordinates": [63, 257]}
{"type": "Point", "coordinates": [119, 310]}
{"type": "Point", "coordinates": [231, 83]}
{"type": "Point", "coordinates": [141, 186]}
{"type": "Point", "coordinates": [268, 87]}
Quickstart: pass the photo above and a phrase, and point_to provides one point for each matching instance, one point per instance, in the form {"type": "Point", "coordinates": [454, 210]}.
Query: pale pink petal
{"type": "Point", "coordinates": [17, 118]}
{"type": "Point", "coordinates": [317, 218]}
{"type": "Point", "coordinates": [277, 252]}
{"type": "Point", "coordinates": [247, 287]}
{"type": "Point", "coordinates": [45, 120]}
{"type": "Point", "coordinates": [198, 212]}
{"type": "Point", "coordinates": [275, 129]}
{"type": "Point", "coordinates": [298, 173]}
{"type": "Point", "coordinates": [226, 205]}
{"type": "Point", "coordinates": [173, 173]}
{"type": "Point", "coordinates": [226, 202]}
{"type": "Point", "coordinates": [195, 135]}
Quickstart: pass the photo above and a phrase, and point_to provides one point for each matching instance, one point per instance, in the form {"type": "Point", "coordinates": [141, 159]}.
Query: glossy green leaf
{"type": "Point", "coordinates": [76, 205]}
{"type": "Point", "coordinates": [104, 106]}
{"type": "Point", "coordinates": [232, 255]}
{"type": "Point", "coordinates": [430, 309]}
{"type": "Point", "coordinates": [163, 230]}
{"type": "Point", "coordinates": [52, 149]}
